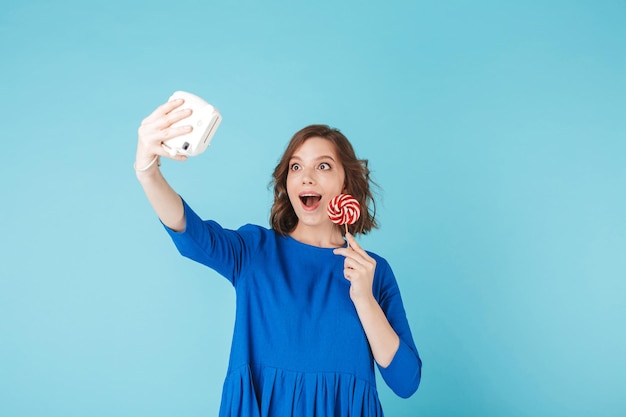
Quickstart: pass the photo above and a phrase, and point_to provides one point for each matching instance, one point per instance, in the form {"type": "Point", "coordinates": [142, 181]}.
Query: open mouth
{"type": "Point", "coordinates": [310, 200]}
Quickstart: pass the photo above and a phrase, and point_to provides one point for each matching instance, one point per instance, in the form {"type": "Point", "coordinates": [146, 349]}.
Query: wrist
{"type": "Point", "coordinates": [364, 302]}
{"type": "Point", "coordinates": [147, 174]}
{"type": "Point", "coordinates": [145, 164]}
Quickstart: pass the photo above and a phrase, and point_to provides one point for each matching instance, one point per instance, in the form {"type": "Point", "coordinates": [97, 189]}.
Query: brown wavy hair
{"type": "Point", "coordinates": [357, 177]}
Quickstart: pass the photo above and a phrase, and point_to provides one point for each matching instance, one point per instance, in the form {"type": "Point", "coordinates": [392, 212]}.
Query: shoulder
{"type": "Point", "coordinates": [256, 235]}
{"type": "Point", "coordinates": [255, 230]}
{"type": "Point", "coordinates": [381, 263]}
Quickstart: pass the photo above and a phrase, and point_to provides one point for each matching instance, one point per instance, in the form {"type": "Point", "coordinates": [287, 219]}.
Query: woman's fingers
{"type": "Point", "coordinates": [163, 110]}
{"type": "Point", "coordinates": [163, 117]}
{"type": "Point", "coordinates": [351, 240]}
{"type": "Point", "coordinates": [355, 246]}
{"type": "Point", "coordinates": [164, 121]}
{"type": "Point", "coordinates": [157, 129]}
{"type": "Point", "coordinates": [172, 132]}
{"type": "Point", "coordinates": [149, 134]}
{"type": "Point", "coordinates": [354, 251]}
{"type": "Point", "coordinates": [355, 257]}
{"type": "Point", "coordinates": [349, 263]}
{"type": "Point", "coordinates": [169, 119]}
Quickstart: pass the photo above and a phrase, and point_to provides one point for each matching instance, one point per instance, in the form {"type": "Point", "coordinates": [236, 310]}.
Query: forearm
{"type": "Point", "coordinates": [383, 340]}
{"type": "Point", "coordinates": [164, 200]}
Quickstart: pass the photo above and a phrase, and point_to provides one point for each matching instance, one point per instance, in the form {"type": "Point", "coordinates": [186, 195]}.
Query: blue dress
{"type": "Point", "coordinates": [298, 346]}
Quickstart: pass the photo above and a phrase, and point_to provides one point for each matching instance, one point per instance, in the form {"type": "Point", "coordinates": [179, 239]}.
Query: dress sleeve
{"type": "Point", "coordinates": [404, 373]}
{"type": "Point", "coordinates": [206, 242]}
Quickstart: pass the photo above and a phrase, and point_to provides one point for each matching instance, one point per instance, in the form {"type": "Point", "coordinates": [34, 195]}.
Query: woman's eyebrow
{"type": "Point", "coordinates": [326, 157]}
{"type": "Point", "coordinates": [316, 159]}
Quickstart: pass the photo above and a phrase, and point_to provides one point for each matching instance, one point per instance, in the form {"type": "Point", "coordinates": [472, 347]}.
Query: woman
{"type": "Point", "coordinates": [313, 314]}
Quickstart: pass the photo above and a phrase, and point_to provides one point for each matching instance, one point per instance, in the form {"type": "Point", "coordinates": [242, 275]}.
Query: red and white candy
{"type": "Point", "coordinates": [344, 209]}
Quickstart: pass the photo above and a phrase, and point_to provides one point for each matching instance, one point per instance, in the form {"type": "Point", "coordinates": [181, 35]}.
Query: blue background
{"type": "Point", "coordinates": [496, 131]}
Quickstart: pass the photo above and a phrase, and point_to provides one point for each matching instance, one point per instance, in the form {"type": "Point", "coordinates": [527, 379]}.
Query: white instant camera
{"type": "Point", "coordinates": [204, 119]}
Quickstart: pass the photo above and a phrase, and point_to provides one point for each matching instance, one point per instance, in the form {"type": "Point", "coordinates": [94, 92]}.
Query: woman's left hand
{"type": "Point", "coordinates": [358, 268]}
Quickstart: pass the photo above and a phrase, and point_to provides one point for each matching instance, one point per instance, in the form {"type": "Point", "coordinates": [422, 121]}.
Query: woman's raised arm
{"type": "Point", "coordinates": [154, 130]}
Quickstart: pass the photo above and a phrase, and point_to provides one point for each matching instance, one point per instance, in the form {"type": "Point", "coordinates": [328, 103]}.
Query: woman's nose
{"type": "Point", "coordinates": [307, 177]}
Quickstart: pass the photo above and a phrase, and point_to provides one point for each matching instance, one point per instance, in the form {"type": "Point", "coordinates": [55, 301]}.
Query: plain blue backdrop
{"type": "Point", "coordinates": [496, 131]}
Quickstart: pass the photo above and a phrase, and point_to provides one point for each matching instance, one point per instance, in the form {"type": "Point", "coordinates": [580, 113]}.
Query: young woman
{"type": "Point", "coordinates": [314, 312]}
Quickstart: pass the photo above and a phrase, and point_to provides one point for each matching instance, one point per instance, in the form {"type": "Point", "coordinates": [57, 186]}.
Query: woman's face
{"type": "Point", "coordinates": [315, 176]}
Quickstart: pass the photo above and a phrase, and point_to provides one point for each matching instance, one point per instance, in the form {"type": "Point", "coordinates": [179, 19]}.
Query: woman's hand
{"type": "Point", "coordinates": [359, 269]}
{"type": "Point", "coordinates": [156, 129]}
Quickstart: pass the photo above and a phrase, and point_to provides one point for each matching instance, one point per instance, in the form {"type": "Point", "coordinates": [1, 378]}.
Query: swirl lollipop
{"type": "Point", "coordinates": [344, 209]}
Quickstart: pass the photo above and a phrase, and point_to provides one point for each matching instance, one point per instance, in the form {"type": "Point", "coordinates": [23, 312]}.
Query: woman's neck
{"type": "Point", "coordinates": [315, 236]}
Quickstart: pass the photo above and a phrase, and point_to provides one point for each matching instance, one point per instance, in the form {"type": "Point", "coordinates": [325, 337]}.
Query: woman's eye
{"type": "Point", "coordinates": [324, 166]}
{"type": "Point", "coordinates": [295, 167]}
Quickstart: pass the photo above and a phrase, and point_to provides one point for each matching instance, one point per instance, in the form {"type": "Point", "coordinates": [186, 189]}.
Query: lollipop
{"type": "Point", "coordinates": [344, 209]}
